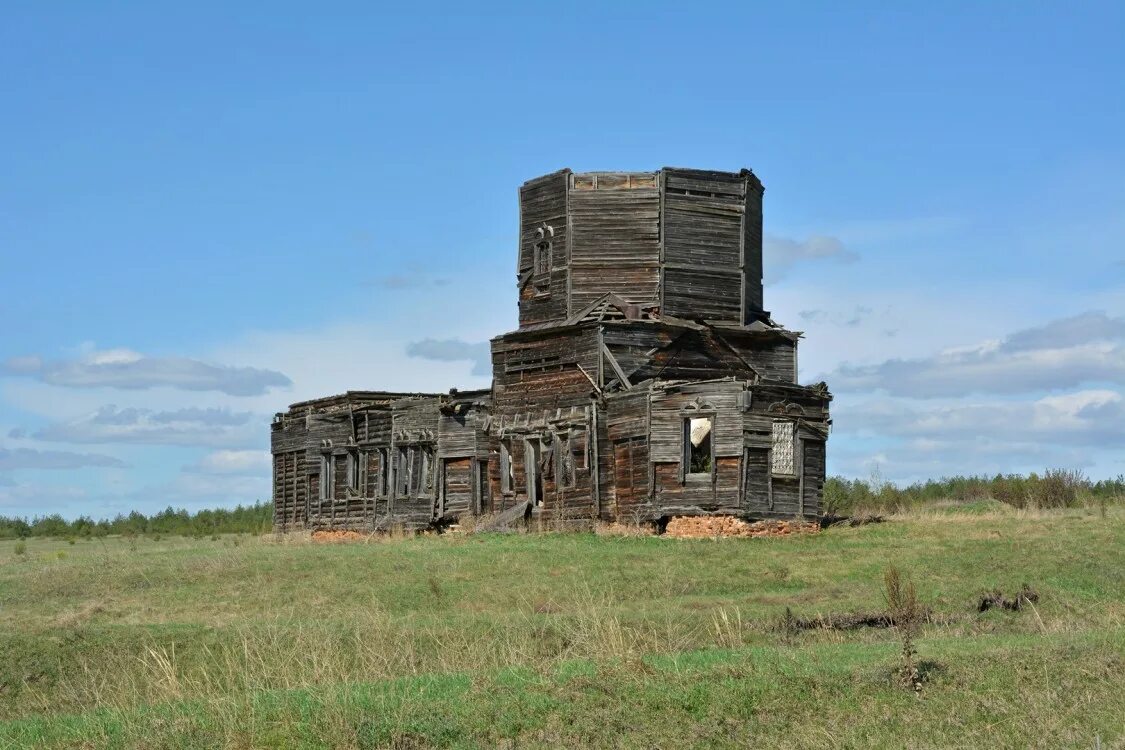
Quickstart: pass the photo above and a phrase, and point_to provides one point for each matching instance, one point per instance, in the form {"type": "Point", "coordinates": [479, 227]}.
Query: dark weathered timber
{"type": "Point", "coordinates": [640, 309]}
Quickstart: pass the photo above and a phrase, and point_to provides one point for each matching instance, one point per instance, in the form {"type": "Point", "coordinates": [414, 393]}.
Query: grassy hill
{"type": "Point", "coordinates": [568, 639]}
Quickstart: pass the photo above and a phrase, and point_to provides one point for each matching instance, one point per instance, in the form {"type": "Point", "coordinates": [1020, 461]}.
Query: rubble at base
{"type": "Point", "coordinates": [709, 527]}
{"type": "Point", "coordinates": [338, 535]}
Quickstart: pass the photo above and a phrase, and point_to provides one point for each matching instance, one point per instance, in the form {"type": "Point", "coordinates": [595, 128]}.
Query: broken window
{"type": "Point", "coordinates": [325, 489]}
{"type": "Point", "coordinates": [580, 449]}
{"type": "Point", "coordinates": [402, 472]}
{"type": "Point", "coordinates": [384, 472]}
{"type": "Point", "coordinates": [532, 452]}
{"type": "Point", "coordinates": [541, 260]}
{"type": "Point", "coordinates": [567, 475]}
{"type": "Point", "coordinates": [417, 469]}
{"type": "Point", "coordinates": [507, 477]}
{"type": "Point", "coordinates": [352, 469]}
{"type": "Point", "coordinates": [783, 456]}
{"type": "Point", "coordinates": [698, 442]}
{"type": "Point", "coordinates": [427, 469]}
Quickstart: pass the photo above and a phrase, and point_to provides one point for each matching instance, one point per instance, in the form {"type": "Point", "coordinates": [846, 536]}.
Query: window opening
{"type": "Point", "coordinates": [698, 441]}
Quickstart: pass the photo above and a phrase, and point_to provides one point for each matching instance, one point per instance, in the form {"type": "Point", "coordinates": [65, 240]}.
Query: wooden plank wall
{"type": "Point", "coordinates": [814, 468]}
{"type": "Point", "coordinates": [544, 201]}
{"type": "Point", "coordinates": [752, 305]}
{"type": "Point", "coordinates": [627, 425]}
{"type": "Point", "coordinates": [676, 492]}
{"type": "Point", "coordinates": [289, 490]}
{"type": "Point", "coordinates": [542, 386]}
{"type": "Point", "coordinates": [703, 233]}
{"type": "Point", "coordinates": [693, 355]}
{"type": "Point", "coordinates": [772, 355]}
{"type": "Point", "coordinates": [615, 237]}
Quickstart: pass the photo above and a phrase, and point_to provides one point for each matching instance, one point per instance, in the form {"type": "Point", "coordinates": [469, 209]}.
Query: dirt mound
{"type": "Point", "coordinates": [338, 536]}
{"type": "Point", "coordinates": [707, 527]}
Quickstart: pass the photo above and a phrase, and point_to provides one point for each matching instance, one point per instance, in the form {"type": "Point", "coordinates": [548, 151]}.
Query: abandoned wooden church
{"type": "Point", "coordinates": [645, 381]}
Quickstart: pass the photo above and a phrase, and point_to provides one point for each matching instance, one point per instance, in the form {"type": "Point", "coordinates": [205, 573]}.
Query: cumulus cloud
{"type": "Point", "coordinates": [127, 369]}
{"type": "Point", "coordinates": [850, 318]}
{"type": "Point", "coordinates": [1087, 328]}
{"type": "Point", "coordinates": [192, 426]}
{"type": "Point", "coordinates": [925, 458]}
{"type": "Point", "coordinates": [781, 254]}
{"type": "Point", "coordinates": [1066, 353]}
{"type": "Point", "coordinates": [454, 350]}
{"type": "Point", "coordinates": [1081, 418]}
{"type": "Point", "coordinates": [26, 499]}
{"type": "Point", "coordinates": [232, 462]}
{"type": "Point", "coordinates": [30, 458]}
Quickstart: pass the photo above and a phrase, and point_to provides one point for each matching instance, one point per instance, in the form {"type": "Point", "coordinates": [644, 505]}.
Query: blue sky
{"type": "Point", "coordinates": [207, 213]}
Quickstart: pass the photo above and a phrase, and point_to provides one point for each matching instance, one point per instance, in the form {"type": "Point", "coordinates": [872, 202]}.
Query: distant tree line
{"type": "Point", "coordinates": [249, 519]}
{"type": "Point", "coordinates": [1055, 488]}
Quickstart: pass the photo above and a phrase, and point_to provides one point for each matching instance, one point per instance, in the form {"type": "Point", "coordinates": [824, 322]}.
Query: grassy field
{"type": "Point", "coordinates": [567, 640]}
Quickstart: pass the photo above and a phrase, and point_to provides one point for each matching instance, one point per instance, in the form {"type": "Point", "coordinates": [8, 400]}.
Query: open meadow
{"type": "Point", "coordinates": [570, 639]}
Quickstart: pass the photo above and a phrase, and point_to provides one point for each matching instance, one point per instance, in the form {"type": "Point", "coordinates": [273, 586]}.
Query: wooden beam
{"type": "Point", "coordinates": [617, 369]}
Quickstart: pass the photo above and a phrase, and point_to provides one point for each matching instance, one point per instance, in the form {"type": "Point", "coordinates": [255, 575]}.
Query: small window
{"type": "Point", "coordinates": [532, 470]}
{"type": "Point", "coordinates": [579, 449]}
{"type": "Point", "coordinates": [541, 258]}
{"type": "Point", "coordinates": [507, 479]}
{"type": "Point", "coordinates": [566, 466]}
{"type": "Point", "coordinates": [402, 473]}
{"type": "Point", "coordinates": [698, 441]}
{"type": "Point", "coordinates": [384, 472]}
{"type": "Point", "coordinates": [783, 460]}
{"type": "Point", "coordinates": [325, 492]}
{"type": "Point", "coordinates": [418, 467]}
{"type": "Point", "coordinates": [428, 469]}
{"type": "Point", "coordinates": [353, 471]}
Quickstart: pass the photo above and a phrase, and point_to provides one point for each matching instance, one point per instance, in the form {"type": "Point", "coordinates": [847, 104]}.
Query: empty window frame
{"type": "Point", "coordinates": [566, 464]}
{"type": "Point", "coordinates": [541, 258]}
{"type": "Point", "coordinates": [353, 470]}
{"type": "Point", "coordinates": [507, 473]}
{"type": "Point", "coordinates": [699, 453]}
{"type": "Point", "coordinates": [532, 471]}
{"type": "Point", "coordinates": [384, 479]}
{"type": "Point", "coordinates": [580, 449]}
{"type": "Point", "coordinates": [324, 492]}
{"type": "Point", "coordinates": [426, 469]}
{"type": "Point", "coordinates": [783, 454]}
{"type": "Point", "coordinates": [402, 471]}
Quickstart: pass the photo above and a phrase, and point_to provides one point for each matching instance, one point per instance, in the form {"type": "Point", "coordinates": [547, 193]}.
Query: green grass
{"type": "Point", "coordinates": [565, 639]}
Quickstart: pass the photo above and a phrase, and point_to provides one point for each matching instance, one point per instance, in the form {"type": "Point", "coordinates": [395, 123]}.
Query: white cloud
{"type": "Point", "coordinates": [130, 370]}
{"type": "Point", "coordinates": [780, 254]}
{"type": "Point", "coordinates": [1081, 418]}
{"type": "Point", "coordinates": [233, 462]}
{"type": "Point", "coordinates": [31, 499]}
{"type": "Point", "coordinates": [32, 458]}
{"type": "Point", "coordinates": [188, 426]}
{"type": "Point", "coordinates": [454, 350]}
{"type": "Point", "coordinates": [1062, 354]}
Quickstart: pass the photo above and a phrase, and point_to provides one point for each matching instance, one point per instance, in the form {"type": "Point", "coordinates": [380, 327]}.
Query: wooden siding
{"type": "Point", "coordinates": [772, 355]}
{"type": "Point", "coordinates": [544, 201]}
{"type": "Point", "coordinates": [614, 241]}
{"type": "Point", "coordinates": [703, 234]}
{"type": "Point", "coordinates": [752, 304]}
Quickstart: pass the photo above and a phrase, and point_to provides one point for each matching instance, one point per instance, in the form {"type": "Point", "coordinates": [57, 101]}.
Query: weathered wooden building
{"type": "Point", "coordinates": [645, 381]}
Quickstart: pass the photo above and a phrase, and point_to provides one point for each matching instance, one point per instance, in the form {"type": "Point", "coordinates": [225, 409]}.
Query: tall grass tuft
{"type": "Point", "coordinates": [906, 616]}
